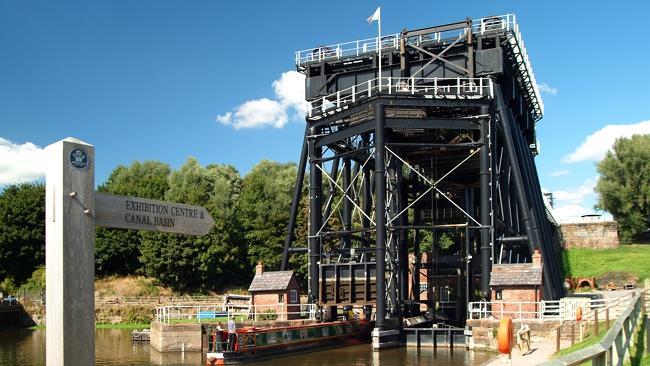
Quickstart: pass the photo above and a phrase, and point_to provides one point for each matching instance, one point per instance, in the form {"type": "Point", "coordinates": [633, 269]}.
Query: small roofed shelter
{"type": "Point", "coordinates": [275, 295]}
{"type": "Point", "coordinates": [517, 289]}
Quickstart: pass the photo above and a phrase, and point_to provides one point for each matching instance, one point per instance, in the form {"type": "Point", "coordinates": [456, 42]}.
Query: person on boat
{"type": "Point", "coordinates": [232, 335]}
{"type": "Point", "coordinates": [218, 338]}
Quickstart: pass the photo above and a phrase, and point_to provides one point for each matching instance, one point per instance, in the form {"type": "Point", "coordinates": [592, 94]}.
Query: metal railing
{"type": "Point", "coordinates": [206, 314]}
{"type": "Point", "coordinates": [507, 23]}
{"type": "Point", "coordinates": [360, 47]}
{"type": "Point", "coordinates": [451, 88]}
{"type": "Point", "coordinates": [615, 345]}
{"type": "Point", "coordinates": [564, 309]}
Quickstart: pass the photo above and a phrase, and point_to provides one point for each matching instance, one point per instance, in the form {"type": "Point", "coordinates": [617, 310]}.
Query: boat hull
{"type": "Point", "coordinates": [256, 344]}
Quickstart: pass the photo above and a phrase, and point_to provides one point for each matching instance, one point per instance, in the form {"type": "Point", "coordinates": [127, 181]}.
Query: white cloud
{"type": "Point", "coordinates": [289, 92]}
{"type": "Point", "coordinates": [547, 89]}
{"type": "Point", "coordinates": [576, 195]}
{"type": "Point", "coordinates": [560, 173]}
{"type": "Point", "coordinates": [596, 145]}
{"type": "Point", "coordinates": [570, 212]}
{"type": "Point", "coordinates": [571, 203]}
{"type": "Point", "coordinates": [256, 113]}
{"type": "Point", "coordinates": [20, 162]}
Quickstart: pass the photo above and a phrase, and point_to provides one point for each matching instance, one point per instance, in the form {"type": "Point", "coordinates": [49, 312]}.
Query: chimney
{"type": "Point", "coordinates": [537, 258]}
{"type": "Point", "coordinates": [259, 269]}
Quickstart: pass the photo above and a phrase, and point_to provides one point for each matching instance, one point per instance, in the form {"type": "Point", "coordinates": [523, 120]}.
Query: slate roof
{"type": "Point", "coordinates": [271, 281]}
{"type": "Point", "coordinates": [516, 275]}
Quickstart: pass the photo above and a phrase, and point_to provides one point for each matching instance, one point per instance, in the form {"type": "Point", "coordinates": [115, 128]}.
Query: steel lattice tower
{"type": "Point", "coordinates": [437, 152]}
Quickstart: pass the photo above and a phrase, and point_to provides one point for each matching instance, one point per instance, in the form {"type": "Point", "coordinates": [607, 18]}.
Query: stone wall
{"type": "Point", "coordinates": [484, 332]}
{"type": "Point", "coordinates": [176, 337]}
{"type": "Point", "coordinates": [590, 235]}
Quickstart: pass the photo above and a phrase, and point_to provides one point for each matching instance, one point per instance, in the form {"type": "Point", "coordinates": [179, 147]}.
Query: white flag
{"type": "Point", "coordinates": [374, 16]}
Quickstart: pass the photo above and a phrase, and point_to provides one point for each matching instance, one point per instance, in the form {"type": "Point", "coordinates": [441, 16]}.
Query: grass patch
{"type": "Point", "coordinates": [634, 259]}
{"type": "Point", "coordinates": [638, 348]}
{"type": "Point", "coordinates": [589, 340]}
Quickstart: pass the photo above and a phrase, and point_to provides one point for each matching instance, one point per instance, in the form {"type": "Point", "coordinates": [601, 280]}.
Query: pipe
{"type": "Point", "coordinates": [486, 219]}
{"type": "Point", "coordinates": [380, 214]}
{"type": "Point", "coordinates": [315, 217]}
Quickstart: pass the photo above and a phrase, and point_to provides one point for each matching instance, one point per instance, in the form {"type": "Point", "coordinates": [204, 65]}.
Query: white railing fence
{"type": "Point", "coordinates": [205, 314]}
{"type": "Point", "coordinates": [563, 309]}
{"type": "Point", "coordinates": [432, 87]}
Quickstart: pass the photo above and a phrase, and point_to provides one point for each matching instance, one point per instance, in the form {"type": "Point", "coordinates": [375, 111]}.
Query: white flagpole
{"type": "Point", "coordinates": [379, 44]}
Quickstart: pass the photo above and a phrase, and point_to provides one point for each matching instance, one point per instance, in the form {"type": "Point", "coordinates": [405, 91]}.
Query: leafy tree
{"type": "Point", "coordinates": [117, 250]}
{"type": "Point", "coordinates": [264, 210]}
{"type": "Point", "coordinates": [22, 231]}
{"type": "Point", "coordinates": [624, 185]}
{"type": "Point", "coordinates": [208, 262]}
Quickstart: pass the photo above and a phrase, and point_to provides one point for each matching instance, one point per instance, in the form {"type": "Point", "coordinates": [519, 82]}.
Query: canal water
{"type": "Point", "coordinates": [114, 347]}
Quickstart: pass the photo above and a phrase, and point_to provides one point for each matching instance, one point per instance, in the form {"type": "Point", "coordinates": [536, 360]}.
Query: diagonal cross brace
{"type": "Point", "coordinates": [433, 184]}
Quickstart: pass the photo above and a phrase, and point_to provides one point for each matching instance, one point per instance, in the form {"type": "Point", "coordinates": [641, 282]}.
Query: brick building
{"type": "Point", "coordinates": [275, 292]}
{"type": "Point", "coordinates": [517, 288]}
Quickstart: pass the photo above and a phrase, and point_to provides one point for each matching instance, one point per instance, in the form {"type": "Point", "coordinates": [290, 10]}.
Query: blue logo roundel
{"type": "Point", "coordinates": [78, 158]}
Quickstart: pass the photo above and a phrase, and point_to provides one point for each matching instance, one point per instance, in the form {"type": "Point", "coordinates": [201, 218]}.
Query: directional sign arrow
{"type": "Point", "coordinates": [153, 215]}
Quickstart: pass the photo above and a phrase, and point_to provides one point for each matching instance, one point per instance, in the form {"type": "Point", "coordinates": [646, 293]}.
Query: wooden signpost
{"type": "Point", "coordinates": [72, 210]}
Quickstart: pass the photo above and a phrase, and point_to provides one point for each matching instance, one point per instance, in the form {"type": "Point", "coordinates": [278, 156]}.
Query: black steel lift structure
{"type": "Point", "coordinates": [434, 155]}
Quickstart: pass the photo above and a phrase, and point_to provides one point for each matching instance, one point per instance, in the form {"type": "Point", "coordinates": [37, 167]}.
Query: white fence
{"type": "Point", "coordinates": [391, 41]}
{"type": "Point", "coordinates": [203, 314]}
{"type": "Point", "coordinates": [448, 88]}
{"type": "Point", "coordinates": [563, 309]}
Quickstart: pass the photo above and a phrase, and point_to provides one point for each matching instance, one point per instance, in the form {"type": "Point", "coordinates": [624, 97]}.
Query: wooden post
{"type": "Point", "coordinates": [596, 321]}
{"type": "Point", "coordinates": [573, 333]}
{"type": "Point", "coordinates": [70, 254]}
{"type": "Point", "coordinates": [607, 318]}
{"type": "Point", "coordinates": [557, 339]}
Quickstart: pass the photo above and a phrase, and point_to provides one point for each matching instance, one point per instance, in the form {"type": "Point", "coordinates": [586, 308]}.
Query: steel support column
{"type": "Point", "coordinates": [486, 218]}
{"type": "Point", "coordinates": [315, 216]}
{"type": "Point", "coordinates": [380, 214]}
{"type": "Point", "coordinates": [297, 194]}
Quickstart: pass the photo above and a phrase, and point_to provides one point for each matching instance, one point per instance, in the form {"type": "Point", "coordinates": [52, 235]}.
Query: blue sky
{"type": "Point", "coordinates": [149, 79]}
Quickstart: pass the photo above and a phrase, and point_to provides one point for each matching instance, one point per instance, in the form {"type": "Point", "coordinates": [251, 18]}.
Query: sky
{"type": "Point", "coordinates": [164, 80]}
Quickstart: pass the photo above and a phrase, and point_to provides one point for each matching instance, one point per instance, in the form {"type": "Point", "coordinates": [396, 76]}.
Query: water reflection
{"type": "Point", "coordinates": [113, 347]}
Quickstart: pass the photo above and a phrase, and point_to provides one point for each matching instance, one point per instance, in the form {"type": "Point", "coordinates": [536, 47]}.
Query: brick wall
{"type": "Point", "coordinates": [266, 301]}
{"type": "Point", "coordinates": [592, 235]}
{"type": "Point", "coordinates": [526, 298]}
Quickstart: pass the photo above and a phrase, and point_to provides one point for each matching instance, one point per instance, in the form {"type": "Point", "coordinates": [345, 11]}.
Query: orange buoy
{"type": "Point", "coordinates": [579, 313]}
{"type": "Point", "coordinates": [504, 335]}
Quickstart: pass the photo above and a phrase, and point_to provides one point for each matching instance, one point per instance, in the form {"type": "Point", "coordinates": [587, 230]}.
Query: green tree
{"type": "Point", "coordinates": [117, 250]}
{"type": "Point", "coordinates": [624, 185]}
{"type": "Point", "coordinates": [22, 231]}
{"type": "Point", "coordinates": [208, 262]}
{"type": "Point", "coordinates": [264, 210]}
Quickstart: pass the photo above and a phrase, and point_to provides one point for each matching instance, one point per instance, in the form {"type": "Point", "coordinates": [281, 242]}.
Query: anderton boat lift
{"type": "Point", "coordinates": [423, 193]}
